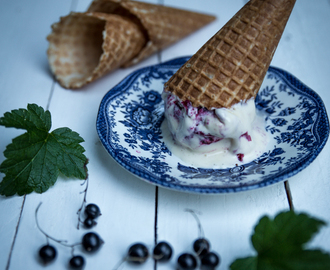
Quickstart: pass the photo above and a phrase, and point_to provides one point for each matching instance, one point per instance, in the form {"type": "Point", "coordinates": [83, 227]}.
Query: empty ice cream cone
{"type": "Point", "coordinates": [113, 34]}
{"type": "Point", "coordinates": [163, 25]}
{"type": "Point", "coordinates": [231, 66]}
{"type": "Point", "coordinates": [85, 46]}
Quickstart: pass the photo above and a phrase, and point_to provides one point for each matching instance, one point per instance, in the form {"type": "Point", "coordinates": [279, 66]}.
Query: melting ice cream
{"type": "Point", "coordinates": [215, 138]}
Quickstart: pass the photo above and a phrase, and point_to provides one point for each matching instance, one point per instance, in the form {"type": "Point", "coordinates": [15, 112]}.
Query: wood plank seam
{"type": "Point", "coordinates": [159, 60]}
{"type": "Point", "coordinates": [51, 93]}
{"type": "Point", "coordinates": [74, 4]}
{"type": "Point", "coordinates": [156, 223]}
{"type": "Point", "coordinates": [15, 234]}
{"type": "Point", "coordinates": [289, 194]}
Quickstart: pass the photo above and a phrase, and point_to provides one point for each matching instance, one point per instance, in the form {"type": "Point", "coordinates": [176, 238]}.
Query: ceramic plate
{"type": "Point", "coordinates": [130, 117]}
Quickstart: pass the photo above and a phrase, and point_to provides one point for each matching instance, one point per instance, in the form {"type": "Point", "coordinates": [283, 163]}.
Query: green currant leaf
{"type": "Point", "coordinates": [307, 260]}
{"type": "Point", "coordinates": [32, 119]}
{"type": "Point", "coordinates": [70, 160]}
{"type": "Point", "coordinates": [285, 234]}
{"type": "Point", "coordinates": [249, 263]}
{"type": "Point", "coordinates": [280, 244]}
{"type": "Point", "coordinates": [35, 159]}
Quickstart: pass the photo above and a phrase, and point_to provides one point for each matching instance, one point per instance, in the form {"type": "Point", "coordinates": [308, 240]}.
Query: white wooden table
{"type": "Point", "coordinates": [133, 210]}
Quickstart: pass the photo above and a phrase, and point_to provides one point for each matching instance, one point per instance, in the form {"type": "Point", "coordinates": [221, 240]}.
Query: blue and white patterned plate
{"type": "Point", "coordinates": [130, 117]}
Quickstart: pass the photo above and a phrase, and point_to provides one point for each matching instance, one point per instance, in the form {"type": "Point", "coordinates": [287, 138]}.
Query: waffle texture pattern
{"type": "Point", "coordinates": [231, 66]}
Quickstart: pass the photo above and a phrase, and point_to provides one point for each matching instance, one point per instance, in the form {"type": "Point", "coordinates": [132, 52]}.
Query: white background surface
{"type": "Point", "coordinates": [133, 210]}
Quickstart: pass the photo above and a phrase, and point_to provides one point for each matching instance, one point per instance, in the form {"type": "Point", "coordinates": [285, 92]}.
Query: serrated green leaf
{"type": "Point", "coordinates": [35, 159]}
{"type": "Point", "coordinates": [249, 263]}
{"type": "Point", "coordinates": [297, 229]}
{"type": "Point", "coordinates": [307, 260]}
{"type": "Point", "coordinates": [267, 264]}
{"type": "Point", "coordinates": [302, 260]}
{"type": "Point", "coordinates": [34, 118]}
{"type": "Point", "coordinates": [70, 160]}
{"type": "Point", "coordinates": [285, 234]}
{"type": "Point", "coordinates": [280, 244]}
{"type": "Point", "coordinates": [265, 231]}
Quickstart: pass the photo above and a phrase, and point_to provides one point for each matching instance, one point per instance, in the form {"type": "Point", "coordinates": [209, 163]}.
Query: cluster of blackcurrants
{"type": "Point", "coordinates": [138, 253]}
{"type": "Point", "coordinates": [90, 242]}
{"type": "Point", "coordinates": [203, 258]}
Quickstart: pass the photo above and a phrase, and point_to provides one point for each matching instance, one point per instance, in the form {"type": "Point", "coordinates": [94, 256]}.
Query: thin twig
{"type": "Point", "coordinates": [120, 263]}
{"type": "Point", "coordinates": [83, 203]}
{"type": "Point", "coordinates": [200, 228]}
{"type": "Point", "coordinates": [62, 242]}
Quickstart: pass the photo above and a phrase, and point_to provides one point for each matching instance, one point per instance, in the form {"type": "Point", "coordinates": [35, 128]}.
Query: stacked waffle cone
{"type": "Point", "coordinates": [231, 66]}
{"type": "Point", "coordinates": [113, 34]}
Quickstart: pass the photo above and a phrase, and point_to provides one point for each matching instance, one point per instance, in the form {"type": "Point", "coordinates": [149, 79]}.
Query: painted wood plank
{"type": "Point", "coordinates": [24, 78]}
{"type": "Point", "coordinates": [127, 203]}
{"type": "Point", "coordinates": [296, 55]}
{"type": "Point", "coordinates": [229, 219]}
{"type": "Point", "coordinates": [308, 45]}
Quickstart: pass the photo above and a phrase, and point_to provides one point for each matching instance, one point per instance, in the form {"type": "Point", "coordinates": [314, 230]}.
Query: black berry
{"type": "Point", "coordinates": [201, 247]}
{"type": "Point", "coordinates": [47, 253]}
{"type": "Point", "coordinates": [77, 262]}
{"type": "Point", "coordinates": [91, 242]}
{"type": "Point", "coordinates": [187, 261]}
{"type": "Point", "coordinates": [138, 253]}
{"type": "Point", "coordinates": [162, 252]}
{"type": "Point", "coordinates": [210, 261]}
{"type": "Point", "coordinates": [89, 222]}
{"type": "Point", "coordinates": [92, 210]}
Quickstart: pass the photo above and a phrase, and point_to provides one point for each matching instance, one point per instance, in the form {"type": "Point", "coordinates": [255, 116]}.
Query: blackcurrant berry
{"type": "Point", "coordinates": [91, 242]}
{"type": "Point", "coordinates": [77, 262]}
{"type": "Point", "coordinates": [47, 253]}
{"type": "Point", "coordinates": [89, 222]}
{"type": "Point", "coordinates": [138, 253]}
{"type": "Point", "coordinates": [162, 252]}
{"type": "Point", "coordinates": [92, 210]}
{"type": "Point", "coordinates": [201, 246]}
{"type": "Point", "coordinates": [187, 261]}
{"type": "Point", "coordinates": [210, 261]}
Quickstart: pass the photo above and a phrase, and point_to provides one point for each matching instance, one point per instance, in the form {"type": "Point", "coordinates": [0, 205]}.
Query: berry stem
{"type": "Point", "coordinates": [62, 242]}
{"type": "Point", "coordinates": [83, 203]}
{"type": "Point", "coordinates": [120, 263]}
{"type": "Point", "coordinates": [200, 228]}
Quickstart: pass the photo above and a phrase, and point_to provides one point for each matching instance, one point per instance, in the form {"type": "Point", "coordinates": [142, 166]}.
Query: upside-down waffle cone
{"type": "Point", "coordinates": [231, 66]}
{"type": "Point", "coordinates": [162, 25]}
{"type": "Point", "coordinates": [85, 46]}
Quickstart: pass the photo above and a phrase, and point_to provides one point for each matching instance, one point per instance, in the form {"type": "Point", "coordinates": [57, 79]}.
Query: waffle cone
{"type": "Point", "coordinates": [231, 66]}
{"type": "Point", "coordinates": [161, 25]}
{"type": "Point", "coordinates": [85, 46]}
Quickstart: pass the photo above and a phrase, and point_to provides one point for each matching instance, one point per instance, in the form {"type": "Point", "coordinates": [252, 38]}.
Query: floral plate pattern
{"type": "Point", "coordinates": [129, 126]}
